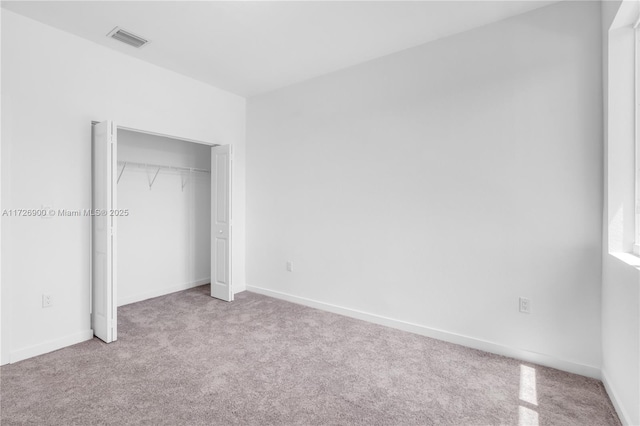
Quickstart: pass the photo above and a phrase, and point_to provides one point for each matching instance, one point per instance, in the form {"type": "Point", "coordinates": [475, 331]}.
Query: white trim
{"type": "Point", "coordinates": [163, 135]}
{"type": "Point", "coordinates": [157, 292]}
{"type": "Point", "coordinates": [471, 342]}
{"type": "Point", "coordinates": [5, 339]}
{"type": "Point", "coordinates": [51, 345]}
{"type": "Point", "coordinates": [627, 258]}
{"type": "Point", "coordinates": [636, 135]}
{"type": "Point", "coordinates": [613, 396]}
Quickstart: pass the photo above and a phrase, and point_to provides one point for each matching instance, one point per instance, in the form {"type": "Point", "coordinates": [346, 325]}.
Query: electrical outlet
{"type": "Point", "coordinates": [47, 301]}
{"type": "Point", "coordinates": [525, 305]}
{"type": "Point", "coordinates": [289, 266]}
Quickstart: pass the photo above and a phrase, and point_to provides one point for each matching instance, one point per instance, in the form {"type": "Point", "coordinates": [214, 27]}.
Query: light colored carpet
{"type": "Point", "coordinates": [186, 358]}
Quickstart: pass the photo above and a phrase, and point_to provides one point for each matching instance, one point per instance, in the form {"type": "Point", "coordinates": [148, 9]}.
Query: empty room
{"type": "Point", "coordinates": [320, 212]}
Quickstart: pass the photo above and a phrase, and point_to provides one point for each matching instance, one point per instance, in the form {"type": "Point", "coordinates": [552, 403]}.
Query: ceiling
{"type": "Point", "coordinates": [252, 47]}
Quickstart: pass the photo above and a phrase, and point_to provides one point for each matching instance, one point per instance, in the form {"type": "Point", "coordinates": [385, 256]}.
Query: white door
{"type": "Point", "coordinates": [103, 250]}
{"type": "Point", "coordinates": [221, 223]}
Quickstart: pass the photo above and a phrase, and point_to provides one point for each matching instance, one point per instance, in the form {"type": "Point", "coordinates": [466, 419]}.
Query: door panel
{"type": "Point", "coordinates": [103, 247]}
{"type": "Point", "coordinates": [221, 280]}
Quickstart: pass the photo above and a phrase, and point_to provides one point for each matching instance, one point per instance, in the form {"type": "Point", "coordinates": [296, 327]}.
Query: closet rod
{"type": "Point", "coordinates": [160, 166]}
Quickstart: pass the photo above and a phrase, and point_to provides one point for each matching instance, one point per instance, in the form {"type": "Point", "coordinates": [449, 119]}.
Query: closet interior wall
{"type": "Point", "coordinates": [164, 242]}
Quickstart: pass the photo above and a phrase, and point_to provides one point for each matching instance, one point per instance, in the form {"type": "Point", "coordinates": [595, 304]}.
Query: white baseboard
{"type": "Point", "coordinates": [239, 288]}
{"type": "Point", "coordinates": [483, 345]}
{"type": "Point", "coordinates": [622, 413]}
{"type": "Point", "coordinates": [50, 346]}
{"type": "Point", "coordinates": [156, 292]}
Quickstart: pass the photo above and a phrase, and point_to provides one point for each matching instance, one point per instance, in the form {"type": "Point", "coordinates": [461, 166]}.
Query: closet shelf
{"type": "Point", "coordinates": [156, 168]}
{"type": "Point", "coordinates": [161, 167]}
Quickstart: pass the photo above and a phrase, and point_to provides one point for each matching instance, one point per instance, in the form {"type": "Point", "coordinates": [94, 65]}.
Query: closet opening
{"type": "Point", "coordinates": [164, 203]}
{"type": "Point", "coordinates": [161, 209]}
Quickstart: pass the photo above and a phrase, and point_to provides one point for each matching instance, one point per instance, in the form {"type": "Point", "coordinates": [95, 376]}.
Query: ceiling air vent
{"type": "Point", "coordinates": [127, 37]}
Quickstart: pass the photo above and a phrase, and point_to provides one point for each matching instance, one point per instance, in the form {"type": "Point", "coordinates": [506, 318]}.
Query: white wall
{"type": "Point", "coordinates": [164, 244]}
{"type": "Point", "coordinates": [433, 187]}
{"type": "Point", "coordinates": [53, 85]}
{"type": "Point", "coordinates": [621, 278]}
{"type": "Point", "coordinates": [620, 337]}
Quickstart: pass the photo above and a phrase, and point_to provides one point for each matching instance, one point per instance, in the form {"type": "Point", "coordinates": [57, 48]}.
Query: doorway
{"type": "Point", "coordinates": [186, 167]}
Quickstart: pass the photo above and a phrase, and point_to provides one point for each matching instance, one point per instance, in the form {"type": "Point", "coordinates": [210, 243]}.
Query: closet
{"type": "Point", "coordinates": [161, 209]}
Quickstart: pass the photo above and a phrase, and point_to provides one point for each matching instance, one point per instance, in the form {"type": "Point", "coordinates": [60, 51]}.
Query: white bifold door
{"type": "Point", "coordinates": [221, 223]}
{"type": "Point", "coordinates": [104, 313]}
